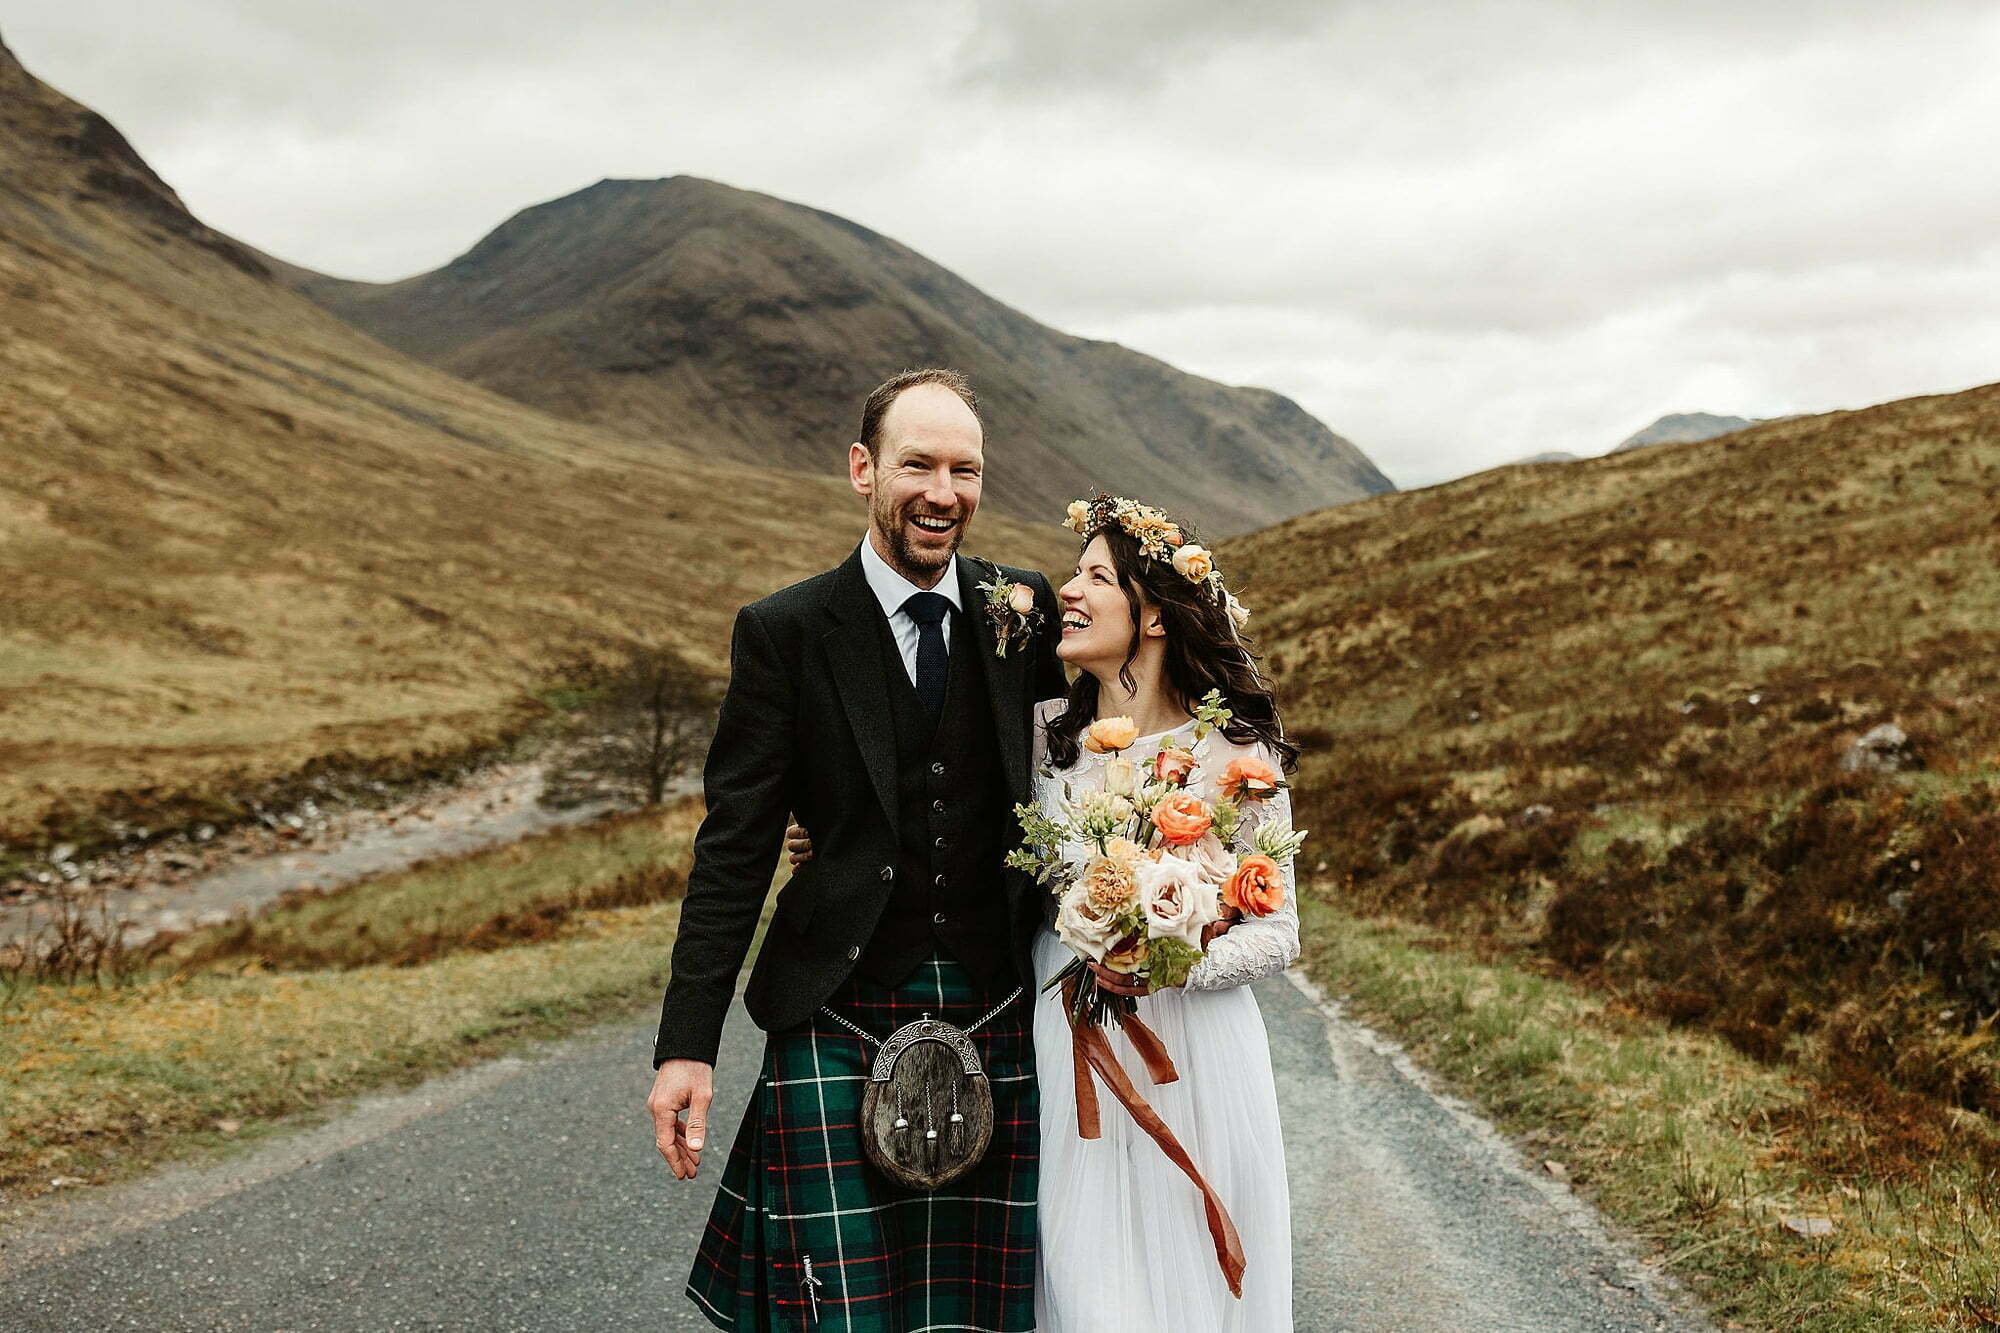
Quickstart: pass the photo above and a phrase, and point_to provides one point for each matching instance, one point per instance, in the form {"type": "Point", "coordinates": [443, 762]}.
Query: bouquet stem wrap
{"type": "Point", "coordinates": [1093, 1052]}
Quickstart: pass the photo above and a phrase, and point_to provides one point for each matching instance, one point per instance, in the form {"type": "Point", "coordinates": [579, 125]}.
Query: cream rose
{"type": "Point", "coordinates": [1121, 777]}
{"type": "Point", "coordinates": [1175, 900]}
{"type": "Point", "coordinates": [1079, 516]}
{"type": "Point", "coordinates": [1085, 928]}
{"type": "Point", "coordinates": [1021, 598]}
{"type": "Point", "coordinates": [1239, 614]}
{"type": "Point", "coordinates": [1216, 862]}
{"type": "Point", "coordinates": [1194, 562]}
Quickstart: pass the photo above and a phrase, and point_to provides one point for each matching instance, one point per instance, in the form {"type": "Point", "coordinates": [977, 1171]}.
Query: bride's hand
{"type": "Point", "coordinates": [1215, 930]}
{"type": "Point", "coordinates": [1118, 983]}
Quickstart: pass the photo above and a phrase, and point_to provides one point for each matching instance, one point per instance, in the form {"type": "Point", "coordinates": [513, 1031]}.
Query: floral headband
{"type": "Point", "coordinates": [1159, 538]}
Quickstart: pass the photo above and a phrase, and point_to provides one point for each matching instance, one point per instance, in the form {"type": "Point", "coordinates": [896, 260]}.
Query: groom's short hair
{"type": "Point", "coordinates": [885, 393]}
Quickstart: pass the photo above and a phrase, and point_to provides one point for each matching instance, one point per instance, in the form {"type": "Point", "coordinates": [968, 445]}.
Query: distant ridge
{"type": "Point", "coordinates": [1685, 428]}
{"type": "Point", "coordinates": [736, 325]}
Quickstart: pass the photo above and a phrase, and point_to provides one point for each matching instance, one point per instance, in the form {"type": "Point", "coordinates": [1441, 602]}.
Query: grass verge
{"type": "Point", "coordinates": [375, 986]}
{"type": "Point", "coordinates": [1692, 1145]}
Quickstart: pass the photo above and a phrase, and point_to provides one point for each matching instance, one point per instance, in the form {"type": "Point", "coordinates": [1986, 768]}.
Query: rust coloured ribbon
{"type": "Point", "coordinates": [1091, 1051]}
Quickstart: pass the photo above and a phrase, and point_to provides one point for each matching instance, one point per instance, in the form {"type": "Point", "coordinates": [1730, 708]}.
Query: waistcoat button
{"type": "Point", "coordinates": [939, 918]}
{"type": "Point", "coordinates": [853, 953]}
{"type": "Point", "coordinates": [888, 872]}
{"type": "Point", "coordinates": [937, 767]}
{"type": "Point", "coordinates": [937, 807]}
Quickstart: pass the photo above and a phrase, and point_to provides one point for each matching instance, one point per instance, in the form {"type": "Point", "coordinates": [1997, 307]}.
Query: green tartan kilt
{"type": "Point", "coordinates": [798, 1188]}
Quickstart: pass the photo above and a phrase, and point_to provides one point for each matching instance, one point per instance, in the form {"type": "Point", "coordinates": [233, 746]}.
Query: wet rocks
{"type": "Point", "coordinates": [1882, 749]}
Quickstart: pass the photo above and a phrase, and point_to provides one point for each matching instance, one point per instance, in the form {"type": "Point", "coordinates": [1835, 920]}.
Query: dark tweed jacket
{"type": "Point", "coordinates": [805, 728]}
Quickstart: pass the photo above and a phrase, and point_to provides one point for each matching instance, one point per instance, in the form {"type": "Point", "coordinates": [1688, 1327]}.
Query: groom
{"type": "Point", "coordinates": [874, 702]}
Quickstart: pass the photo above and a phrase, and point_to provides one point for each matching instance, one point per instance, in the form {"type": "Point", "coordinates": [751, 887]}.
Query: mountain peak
{"type": "Point", "coordinates": [751, 326]}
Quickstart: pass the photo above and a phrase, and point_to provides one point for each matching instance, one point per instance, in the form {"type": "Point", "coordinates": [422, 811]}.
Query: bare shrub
{"type": "Point", "coordinates": [641, 728]}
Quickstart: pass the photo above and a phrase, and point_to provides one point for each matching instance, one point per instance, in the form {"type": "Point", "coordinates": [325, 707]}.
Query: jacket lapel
{"type": "Point", "coordinates": [854, 652]}
{"type": "Point", "coordinates": [1006, 677]}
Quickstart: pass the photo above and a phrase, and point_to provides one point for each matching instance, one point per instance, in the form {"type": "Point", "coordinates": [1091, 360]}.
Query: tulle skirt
{"type": "Point", "coordinates": [1122, 1238]}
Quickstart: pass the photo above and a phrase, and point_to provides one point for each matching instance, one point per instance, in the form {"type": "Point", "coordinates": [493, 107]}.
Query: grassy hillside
{"type": "Point", "coordinates": [1597, 711]}
{"type": "Point", "coordinates": [738, 325]}
{"type": "Point", "coordinates": [240, 539]}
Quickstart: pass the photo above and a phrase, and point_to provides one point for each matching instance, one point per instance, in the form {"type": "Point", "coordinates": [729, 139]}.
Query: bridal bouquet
{"type": "Point", "coordinates": [1164, 867]}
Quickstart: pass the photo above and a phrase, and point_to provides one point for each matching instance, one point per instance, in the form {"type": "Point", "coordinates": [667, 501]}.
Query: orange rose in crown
{"type": "Point", "coordinates": [1250, 779]}
{"type": "Point", "coordinates": [1182, 818]}
{"type": "Point", "coordinates": [1257, 888]}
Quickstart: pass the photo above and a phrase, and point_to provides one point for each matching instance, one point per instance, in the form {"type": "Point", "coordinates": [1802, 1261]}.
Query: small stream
{"type": "Point", "coordinates": [183, 885]}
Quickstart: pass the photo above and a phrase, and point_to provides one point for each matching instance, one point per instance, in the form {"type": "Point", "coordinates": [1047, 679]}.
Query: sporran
{"type": "Point", "coordinates": [927, 1113]}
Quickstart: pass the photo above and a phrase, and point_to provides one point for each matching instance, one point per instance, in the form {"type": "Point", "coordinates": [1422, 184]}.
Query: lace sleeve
{"type": "Point", "coordinates": [1255, 947]}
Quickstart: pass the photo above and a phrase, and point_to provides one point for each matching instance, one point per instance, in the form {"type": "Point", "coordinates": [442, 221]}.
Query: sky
{"type": "Point", "coordinates": [1459, 232]}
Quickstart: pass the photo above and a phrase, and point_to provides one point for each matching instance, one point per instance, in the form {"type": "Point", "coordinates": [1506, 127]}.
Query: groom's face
{"type": "Point", "coordinates": [923, 481]}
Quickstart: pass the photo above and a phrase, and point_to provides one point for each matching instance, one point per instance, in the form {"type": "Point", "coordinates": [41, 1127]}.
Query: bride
{"type": "Point", "coordinates": [1123, 1242]}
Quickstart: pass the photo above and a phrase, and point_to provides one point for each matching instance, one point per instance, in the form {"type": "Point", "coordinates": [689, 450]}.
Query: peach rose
{"type": "Point", "coordinates": [1182, 818]}
{"type": "Point", "coordinates": [1249, 779]}
{"type": "Point", "coordinates": [1108, 735]}
{"type": "Point", "coordinates": [1022, 598]}
{"type": "Point", "coordinates": [1194, 562]}
{"type": "Point", "coordinates": [1258, 886]}
{"type": "Point", "coordinates": [1173, 764]}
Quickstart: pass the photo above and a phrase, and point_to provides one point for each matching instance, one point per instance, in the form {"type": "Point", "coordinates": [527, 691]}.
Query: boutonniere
{"type": "Point", "coordinates": [1011, 607]}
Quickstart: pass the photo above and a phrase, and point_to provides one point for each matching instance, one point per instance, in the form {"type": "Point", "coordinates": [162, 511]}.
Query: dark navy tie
{"type": "Point", "coordinates": [927, 609]}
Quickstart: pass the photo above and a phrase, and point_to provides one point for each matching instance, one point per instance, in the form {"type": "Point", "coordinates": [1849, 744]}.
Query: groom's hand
{"type": "Point", "coordinates": [681, 1085]}
{"type": "Point", "coordinates": [798, 844]}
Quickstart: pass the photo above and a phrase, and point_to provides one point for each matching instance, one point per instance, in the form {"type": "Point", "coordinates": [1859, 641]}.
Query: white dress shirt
{"type": "Point", "coordinates": [892, 590]}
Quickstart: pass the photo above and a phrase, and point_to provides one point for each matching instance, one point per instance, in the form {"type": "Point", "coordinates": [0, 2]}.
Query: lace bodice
{"type": "Point", "coordinates": [1254, 947]}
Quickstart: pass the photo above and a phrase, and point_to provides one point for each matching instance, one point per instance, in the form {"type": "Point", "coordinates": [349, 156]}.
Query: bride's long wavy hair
{"type": "Point", "coordinates": [1204, 652]}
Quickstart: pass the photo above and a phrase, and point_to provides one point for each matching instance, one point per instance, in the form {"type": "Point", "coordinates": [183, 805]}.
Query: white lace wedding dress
{"type": "Point", "coordinates": [1123, 1242]}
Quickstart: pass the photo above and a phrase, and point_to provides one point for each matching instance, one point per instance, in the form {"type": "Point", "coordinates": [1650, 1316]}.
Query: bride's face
{"type": "Point", "coordinates": [1096, 617]}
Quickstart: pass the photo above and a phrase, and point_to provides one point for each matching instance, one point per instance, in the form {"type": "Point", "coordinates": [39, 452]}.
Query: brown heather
{"type": "Point", "coordinates": [1668, 651]}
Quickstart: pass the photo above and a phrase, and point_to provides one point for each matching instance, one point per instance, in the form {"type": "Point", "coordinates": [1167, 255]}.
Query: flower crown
{"type": "Point", "coordinates": [1159, 538]}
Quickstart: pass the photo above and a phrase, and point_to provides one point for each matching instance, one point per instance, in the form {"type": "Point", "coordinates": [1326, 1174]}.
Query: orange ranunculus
{"type": "Point", "coordinates": [1249, 779]}
{"type": "Point", "coordinates": [1108, 735]}
{"type": "Point", "coordinates": [1182, 818]}
{"type": "Point", "coordinates": [1258, 886]}
{"type": "Point", "coordinates": [1173, 764]}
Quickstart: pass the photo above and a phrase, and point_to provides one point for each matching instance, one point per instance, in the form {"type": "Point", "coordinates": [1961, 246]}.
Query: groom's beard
{"type": "Point", "coordinates": [920, 564]}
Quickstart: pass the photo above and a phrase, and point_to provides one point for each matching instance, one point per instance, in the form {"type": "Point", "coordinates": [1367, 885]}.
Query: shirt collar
{"type": "Point", "coordinates": [892, 589]}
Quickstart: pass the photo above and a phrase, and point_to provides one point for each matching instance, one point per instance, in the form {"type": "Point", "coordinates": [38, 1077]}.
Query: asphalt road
{"type": "Point", "coordinates": [526, 1194]}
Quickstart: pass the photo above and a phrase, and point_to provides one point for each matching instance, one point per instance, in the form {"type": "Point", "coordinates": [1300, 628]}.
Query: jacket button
{"type": "Point", "coordinates": [938, 843]}
{"type": "Point", "coordinates": [937, 807]}
{"type": "Point", "coordinates": [937, 768]}
{"type": "Point", "coordinates": [888, 873]}
{"type": "Point", "coordinates": [938, 919]}
{"type": "Point", "coordinates": [853, 952]}
{"type": "Point", "coordinates": [938, 880]}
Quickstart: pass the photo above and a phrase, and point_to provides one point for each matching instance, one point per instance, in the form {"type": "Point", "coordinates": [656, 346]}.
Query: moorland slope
{"type": "Point", "coordinates": [241, 540]}
{"type": "Point", "coordinates": [1604, 711]}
